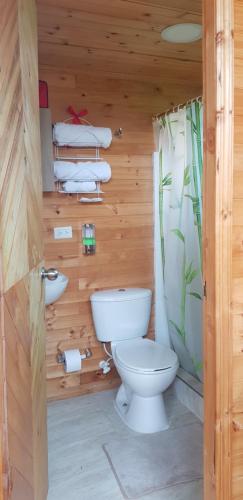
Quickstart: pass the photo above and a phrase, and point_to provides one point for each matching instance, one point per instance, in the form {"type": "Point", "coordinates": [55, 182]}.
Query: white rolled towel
{"type": "Point", "coordinates": [82, 171]}
{"type": "Point", "coordinates": [79, 187]}
{"type": "Point", "coordinates": [66, 134]}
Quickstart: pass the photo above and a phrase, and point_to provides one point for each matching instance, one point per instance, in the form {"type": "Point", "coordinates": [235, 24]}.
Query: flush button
{"type": "Point", "coordinates": [121, 290]}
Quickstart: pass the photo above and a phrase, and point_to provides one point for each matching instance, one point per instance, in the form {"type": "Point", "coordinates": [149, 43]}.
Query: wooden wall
{"type": "Point", "coordinates": [223, 251]}
{"type": "Point", "coordinates": [22, 339]}
{"type": "Point", "coordinates": [124, 221]}
{"type": "Point", "coordinates": [237, 262]}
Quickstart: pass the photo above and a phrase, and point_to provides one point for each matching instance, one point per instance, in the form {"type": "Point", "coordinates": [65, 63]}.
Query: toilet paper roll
{"type": "Point", "coordinates": [72, 361]}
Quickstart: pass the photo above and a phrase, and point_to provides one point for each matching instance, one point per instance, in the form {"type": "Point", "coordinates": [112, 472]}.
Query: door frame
{"type": "Point", "coordinates": [218, 196]}
{"type": "Point", "coordinates": [218, 65]}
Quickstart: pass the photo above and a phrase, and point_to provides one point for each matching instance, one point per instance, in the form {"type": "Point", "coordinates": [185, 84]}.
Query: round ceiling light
{"type": "Point", "coordinates": [182, 33]}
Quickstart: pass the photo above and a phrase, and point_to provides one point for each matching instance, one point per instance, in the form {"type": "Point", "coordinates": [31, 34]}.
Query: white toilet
{"type": "Point", "coordinates": [147, 369]}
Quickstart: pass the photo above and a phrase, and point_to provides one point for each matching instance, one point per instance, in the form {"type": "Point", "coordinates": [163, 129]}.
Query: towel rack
{"type": "Point", "coordinates": [94, 157]}
{"type": "Point", "coordinates": [88, 199]}
{"type": "Point", "coordinates": [93, 199]}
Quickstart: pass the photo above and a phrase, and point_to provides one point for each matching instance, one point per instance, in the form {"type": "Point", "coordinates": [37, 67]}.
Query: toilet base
{"type": "Point", "coordinates": [144, 415]}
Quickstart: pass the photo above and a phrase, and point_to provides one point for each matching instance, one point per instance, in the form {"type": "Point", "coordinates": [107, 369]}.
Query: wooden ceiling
{"type": "Point", "coordinates": [119, 38]}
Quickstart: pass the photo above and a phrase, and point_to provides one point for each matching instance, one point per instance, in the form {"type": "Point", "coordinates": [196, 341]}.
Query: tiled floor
{"type": "Point", "coordinates": [78, 467]}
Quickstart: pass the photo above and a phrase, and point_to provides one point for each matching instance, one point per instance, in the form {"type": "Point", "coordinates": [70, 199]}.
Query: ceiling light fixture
{"type": "Point", "coordinates": [182, 33]}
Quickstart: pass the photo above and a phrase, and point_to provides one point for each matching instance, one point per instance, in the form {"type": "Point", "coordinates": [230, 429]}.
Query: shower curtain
{"type": "Point", "coordinates": [179, 139]}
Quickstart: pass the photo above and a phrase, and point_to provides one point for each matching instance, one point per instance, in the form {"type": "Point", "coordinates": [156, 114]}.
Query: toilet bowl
{"type": "Point", "coordinates": [146, 368]}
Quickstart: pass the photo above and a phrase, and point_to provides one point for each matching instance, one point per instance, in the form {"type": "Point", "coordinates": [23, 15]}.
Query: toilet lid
{"type": "Point", "coordinates": [145, 355]}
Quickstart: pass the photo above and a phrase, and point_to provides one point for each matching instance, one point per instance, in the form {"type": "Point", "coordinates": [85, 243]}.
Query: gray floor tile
{"type": "Point", "coordinates": [78, 466]}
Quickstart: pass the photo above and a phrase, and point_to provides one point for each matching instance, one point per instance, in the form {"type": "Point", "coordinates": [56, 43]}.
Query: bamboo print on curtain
{"type": "Point", "coordinates": [180, 195]}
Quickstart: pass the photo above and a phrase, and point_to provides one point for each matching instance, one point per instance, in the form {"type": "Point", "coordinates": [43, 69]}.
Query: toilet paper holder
{"type": "Point", "coordinates": [60, 355]}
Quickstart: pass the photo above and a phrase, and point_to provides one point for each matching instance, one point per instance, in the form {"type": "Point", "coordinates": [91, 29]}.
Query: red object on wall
{"type": "Point", "coordinates": [43, 94]}
{"type": "Point", "coordinates": [76, 117]}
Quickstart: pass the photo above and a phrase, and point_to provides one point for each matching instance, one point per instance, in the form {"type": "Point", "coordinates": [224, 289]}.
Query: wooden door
{"type": "Point", "coordinates": [22, 342]}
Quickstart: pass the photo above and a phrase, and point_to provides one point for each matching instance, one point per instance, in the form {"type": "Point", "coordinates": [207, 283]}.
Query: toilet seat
{"type": "Point", "coordinates": [145, 356]}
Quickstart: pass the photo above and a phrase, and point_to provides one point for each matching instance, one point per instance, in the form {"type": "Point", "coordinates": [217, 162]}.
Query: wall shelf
{"type": "Point", "coordinates": [94, 156]}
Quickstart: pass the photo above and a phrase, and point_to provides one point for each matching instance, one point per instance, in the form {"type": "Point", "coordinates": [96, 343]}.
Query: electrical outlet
{"type": "Point", "coordinates": [63, 232]}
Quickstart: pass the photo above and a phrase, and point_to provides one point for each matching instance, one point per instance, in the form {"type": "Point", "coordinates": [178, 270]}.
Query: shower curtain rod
{"type": "Point", "coordinates": [179, 106]}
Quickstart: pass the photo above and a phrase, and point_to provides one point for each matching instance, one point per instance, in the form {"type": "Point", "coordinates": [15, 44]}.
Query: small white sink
{"type": "Point", "coordinates": [54, 289]}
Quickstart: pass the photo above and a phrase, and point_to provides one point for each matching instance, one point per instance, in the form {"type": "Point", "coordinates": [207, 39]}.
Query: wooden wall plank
{"type": "Point", "coordinates": [218, 195]}
{"type": "Point", "coordinates": [133, 14]}
{"type": "Point", "coordinates": [237, 268]}
{"type": "Point", "coordinates": [134, 64]}
{"type": "Point", "coordinates": [223, 250]}
{"type": "Point", "coordinates": [124, 221]}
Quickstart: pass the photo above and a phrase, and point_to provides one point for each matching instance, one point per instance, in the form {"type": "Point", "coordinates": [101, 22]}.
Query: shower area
{"type": "Point", "coordinates": [178, 172]}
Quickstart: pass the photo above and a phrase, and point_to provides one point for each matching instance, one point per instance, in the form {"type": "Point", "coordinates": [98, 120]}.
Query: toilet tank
{"type": "Point", "coordinates": [121, 314]}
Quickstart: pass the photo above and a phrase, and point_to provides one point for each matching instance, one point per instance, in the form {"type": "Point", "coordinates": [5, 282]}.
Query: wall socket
{"type": "Point", "coordinates": [63, 232]}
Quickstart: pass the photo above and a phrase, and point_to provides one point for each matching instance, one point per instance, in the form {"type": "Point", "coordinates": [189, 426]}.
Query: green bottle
{"type": "Point", "coordinates": [88, 237]}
